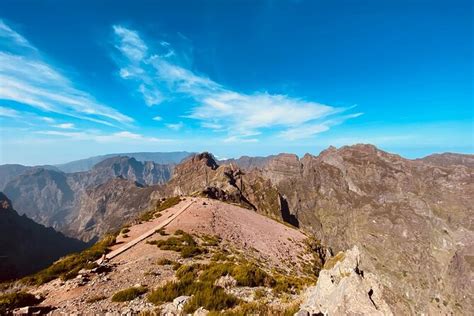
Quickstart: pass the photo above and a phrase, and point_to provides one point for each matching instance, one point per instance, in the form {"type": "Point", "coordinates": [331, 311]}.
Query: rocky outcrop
{"type": "Point", "coordinates": [26, 246]}
{"type": "Point", "coordinates": [344, 289]}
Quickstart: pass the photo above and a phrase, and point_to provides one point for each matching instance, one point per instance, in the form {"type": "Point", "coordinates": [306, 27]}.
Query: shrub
{"type": "Point", "coordinates": [69, 266]}
{"type": "Point", "coordinates": [96, 299]}
{"type": "Point", "coordinates": [164, 262]}
{"type": "Point", "coordinates": [159, 207]}
{"type": "Point", "coordinates": [211, 241]}
{"type": "Point", "coordinates": [129, 294]}
{"type": "Point", "coordinates": [162, 232]}
{"type": "Point", "coordinates": [331, 262]}
{"type": "Point", "coordinates": [211, 298]}
{"type": "Point", "coordinates": [289, 284]}
{"type": "Point", "coordinates": [204, 292]}
{"type": "Point", "coordinates": [259, 293]}
{"type": "Point", "coordinates": [125, 231]}
{"type": "Point", "coordinates": [184, 244]}
{"type": "Point", "coordinates": [18, 299]}
{"type": "Point", "coordinates": [250, 275]}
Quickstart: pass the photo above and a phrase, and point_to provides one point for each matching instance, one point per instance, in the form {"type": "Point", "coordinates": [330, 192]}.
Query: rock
{"type": "Point", "coordinates": [226, 282]}
{"type": "Point", "coordinates": [302, 312]}
{"type": "Point", "coordinates": [201, 312]}
{"type": "Point", "coordinates": [33, 310]}
{"type": "Point", "coordinates": [180, 301]}
{"type": "Point", "coordinates": [342, 288]}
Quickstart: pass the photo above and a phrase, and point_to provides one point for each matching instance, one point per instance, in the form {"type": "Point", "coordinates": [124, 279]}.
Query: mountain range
{"type": "Point", "coordinates": [409, 222]}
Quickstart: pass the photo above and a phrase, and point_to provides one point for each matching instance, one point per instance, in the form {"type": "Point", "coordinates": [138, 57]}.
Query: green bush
{"type": "Point", "coordinates": [96, 299]}
{"type": "Point", "coordinates": [250, 275]}
{"type": "Point", "coordinates": [164, 262]}
{"type": "Point", "coordinates": [18, 299]}
{"type": "Point", "coordinates": [211, 241]}
{"type": "Point", "coordinates": [129, 294]}
{"type": "Point", "coordinates": [69, 266]}
{"type": "Point", "coordinates": [159, 207]}
{"type": "Point", "coordinates": [203, 290]}
{"type": "Point", "coordinates": [125, 231]}
{"type": "Point", "coordinates": [211, 298]}
{"type": "Point", "coordinates": [184, 244]}
{"type": "Point", "coordinates": [162, 232]}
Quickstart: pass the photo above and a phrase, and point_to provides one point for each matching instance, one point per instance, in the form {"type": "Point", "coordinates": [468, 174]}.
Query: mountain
{"type": "Point", "coordinates": [450, 159]}
{"type": "Point", "coordinates": [60, 200]}
{"type": "Point", "coordinates": [26, 246]}
{"type": "Point", "coordinates": [247, 162]}
{"type": "Point", "coordinates": [10, 171]}
{"type": "Point", "coordinates": [163, 158]}
{"type": "Point", "coordinates": [409, 218]}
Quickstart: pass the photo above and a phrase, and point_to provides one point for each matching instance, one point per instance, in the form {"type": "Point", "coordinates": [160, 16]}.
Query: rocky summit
{"type": "Point", "coordinates": [354, 230]}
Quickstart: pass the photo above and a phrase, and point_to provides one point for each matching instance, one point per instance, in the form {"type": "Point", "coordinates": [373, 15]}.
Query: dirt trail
{"type": "Point", "coordinates": [150, 232]}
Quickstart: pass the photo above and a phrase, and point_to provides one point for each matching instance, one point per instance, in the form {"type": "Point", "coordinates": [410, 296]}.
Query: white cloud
{"type": "Point", "coordinates": [176, 126]}
{"type": "Point", "coordinates": [310, 130]}
{"type": "Point", "coordinates": [159, 73]}
{"type": "Point", "coordinates": [65, 126]}
{"type": "Point", "coordinates": [11, 36]}
{"type": "Point", "coordinates": [7, 112]}
{"type": "Point", "coordinates": [47, 119]}
{"type": "Point", "coordinates": [26, 78]}
{"type": "Point", "coordinates": [157, 118]}
{"type": "Point", "coordinates": [118, 137]}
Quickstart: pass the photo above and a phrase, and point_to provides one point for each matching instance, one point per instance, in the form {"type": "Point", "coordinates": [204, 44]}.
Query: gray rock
{"type": "Point", "coordinates": [343, 289]}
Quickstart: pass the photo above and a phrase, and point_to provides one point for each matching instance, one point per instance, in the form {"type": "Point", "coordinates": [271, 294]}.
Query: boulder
{"type": "Point", "coordinates": [343, 289]}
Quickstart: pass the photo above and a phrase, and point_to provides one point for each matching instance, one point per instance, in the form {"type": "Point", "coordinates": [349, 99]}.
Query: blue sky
{"type": "Point", "coordinates": [82, 78]}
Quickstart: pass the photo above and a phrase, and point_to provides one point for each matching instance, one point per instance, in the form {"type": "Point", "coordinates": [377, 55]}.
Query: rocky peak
{"type": "Point", "coordinates": [206, 158]}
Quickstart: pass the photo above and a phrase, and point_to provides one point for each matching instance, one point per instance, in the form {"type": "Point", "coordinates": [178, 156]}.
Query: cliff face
{"type": "Point", "coordinates": [26, 246]}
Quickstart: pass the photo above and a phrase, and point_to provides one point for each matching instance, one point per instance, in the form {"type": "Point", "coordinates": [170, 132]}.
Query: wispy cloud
{"type": "Point", "coordinates": [160, 77]}
{"type": "Point", "coordinates": [65, 126]}
{"type": "Point", "coordinates": [25, 77]}
{"type": "Point", "coordinates": [157, 118]}
{"type": "Point", "coordinates": [118, 137]}
{"type": "Point", "coordinates": [7, 112]}
{"type": "Point", "coordinates": [175, 126]}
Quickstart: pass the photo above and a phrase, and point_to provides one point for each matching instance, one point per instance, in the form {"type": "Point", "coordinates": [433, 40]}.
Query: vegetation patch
{"type": "Point", "coordinates": [159, 207]}
{"type": "Point", "coordinates": [129, 294]}
{"type": "Point", "coordinates": [184, 244]}
{"type": "Point", "coordinates": [125, 230]}
{"type": "Point", "coordinates": [164, 262]}
{"type": "Point", "coordinates": [15, 300]}
{"type": "Point", "coordinates": [69, 266]}
{"type": "Point", "coordinates": [162, 232]}
{"type": "Point", "coordinates": [331, 262]}
{"type": "Point", "coordinates": [203, 290]}
{"type": "Point", "coordinates": [210, 241]}
{"type": "Point", "coordinates": [95, 299]}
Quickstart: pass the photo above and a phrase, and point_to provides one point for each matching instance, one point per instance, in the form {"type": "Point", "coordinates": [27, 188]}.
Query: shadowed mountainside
{"type": "Point", "coordinates": [26, 246]}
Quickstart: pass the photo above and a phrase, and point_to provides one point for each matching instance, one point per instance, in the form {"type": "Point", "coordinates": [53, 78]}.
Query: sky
{"type": "Point", "coordinates": [83, 78]}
